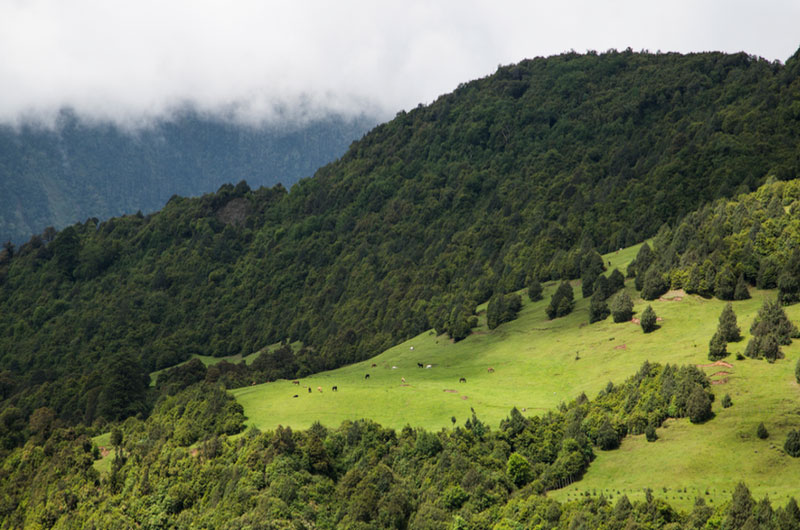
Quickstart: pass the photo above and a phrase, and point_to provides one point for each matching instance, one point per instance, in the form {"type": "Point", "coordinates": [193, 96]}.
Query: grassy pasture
{"type": "Point", "coordinates": [539, 363]}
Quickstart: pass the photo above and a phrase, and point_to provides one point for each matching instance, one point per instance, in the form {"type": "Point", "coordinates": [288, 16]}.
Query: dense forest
{"type": "Point", "coordinates": [77, 170]}
{"type": "Point", "coordinates": [181, 468]}
{"type": "Point", "coordinates": [509, 180]}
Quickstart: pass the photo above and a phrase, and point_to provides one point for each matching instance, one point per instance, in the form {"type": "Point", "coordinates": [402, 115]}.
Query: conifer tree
{"type": "Point", "coordinates": [644, 258]}
{"type": "Point", "coordinates": [654, 284]}
{"type": "Point", "coordinates": [616, 281]}
{"type": "Point", "coordinates": [698, 406]}
{"type": "Point", "coordinates": [598, 308]}
{"type": "Point", "coordinates": [762, 432]}
{"type": "Point", "coordinates": [648, 320]}
{"type": "Point", "coordinates": [717, 347]}
{"type": "Point", "coordinates": [741, 292]}
{"type": "Point", "coordinates": [535, 290]}
{"type": "Point", "coordinates": [562, 301]}
{"type": "Point", "coordinates": [727, 328]}
{"type": "Point", "coordinates": [789, 280]}
{"type": "Point", "coordinates": [621, 307]}
{"type": "Point", "coordinates": [740, 508]}
{"type": "Point", "coordinates": [792, 444]}
{"type": "Point", "coordinates": [725, 284]}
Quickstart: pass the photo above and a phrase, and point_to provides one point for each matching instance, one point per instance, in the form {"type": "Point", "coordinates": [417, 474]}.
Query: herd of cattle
{"type": "Point", "coordinates": [366, 376]}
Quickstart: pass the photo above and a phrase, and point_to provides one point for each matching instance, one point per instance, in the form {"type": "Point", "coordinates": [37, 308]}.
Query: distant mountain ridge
{"type": "Point", "coordinates": [56, 177]}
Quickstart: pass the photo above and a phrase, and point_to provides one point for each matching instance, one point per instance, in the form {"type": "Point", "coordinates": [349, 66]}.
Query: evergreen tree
{"type": "Point", "coordinates": [726, 401]}
{"type": "Point", "coordinates": [727, 328]}
{"type": "Point", "coordinates": [644, 258]}
{"type": "Point", "coordinates": [725, 284]}
{"type": "Point", "coordinates": [768, 273]}
{"type": "Point", "coordinates": [740, 508]}
{"type": "Point", "coordinates": [562, 301]}
{"type": "Point", "coordinates": [598, 308]}
{"type": "Point", "coordinates": [648, 320]}
{"type": "Point", "coordinates": [762, 432]}
{"type": "Point", "coordinates": [535, 290]}
{"type": "Point", "coordinates": [770, 329]}
{"type": "Point", "coordinates": [654, 284]}
{"type": "Point", "coordinates": [717, 347]}
{"type": "Point", "coordinates": [616, 281]}
{"type": "Point", "coordinates": [592, 267]}
{"type": "Point", "coordinates": [698, 406]}
{"type": "Point", "coordinates": [621, 307]}
{"type": "Point", "coordinates": [792, 444]}
{"type": "Point", "coordinates": [650, 433]}
{"type": "Point", "coordinates": [797, 371]}
{"type": "Point", "coordinates": [789, 280]}
{"type": "Point", "coordinates": [741, 292]}
{"type": "Point", "coordinates": [602, 288]}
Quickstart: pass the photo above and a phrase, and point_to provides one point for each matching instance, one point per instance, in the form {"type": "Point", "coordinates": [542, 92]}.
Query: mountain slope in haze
{"type": "Point", "coordinates": [511, 177]}
{"type": "Point", "coordinates": [77, 170]}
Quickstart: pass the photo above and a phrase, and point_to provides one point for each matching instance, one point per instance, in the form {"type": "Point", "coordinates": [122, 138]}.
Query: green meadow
{"type": "Point", "coordinates": [537, 364]}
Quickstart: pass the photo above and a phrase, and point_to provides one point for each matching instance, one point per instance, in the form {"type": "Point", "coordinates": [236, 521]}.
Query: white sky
{"type": "Point", "coordinates": [134, 59]}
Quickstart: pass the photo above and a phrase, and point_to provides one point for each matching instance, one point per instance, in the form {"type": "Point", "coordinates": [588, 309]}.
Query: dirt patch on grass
{"type": "Point", "coordinates": [621, 347]}
{"type": "Point", "coordinates": [721, 372]}
{"type": "Point", "coordinates": [405, 384]}
{"type": "Point", "coordinates": [104, 451]}
{"type": "Point", "coordinates": [718, 363]}
{"type": "Point", "coordinates": [635, 320]}
{"type": "Point", "coordinates": [463, 397]}
{"type": "Point", "coordinates": [675, 295]}
{"type": "Point", "coordinates": [451, 391]}
{"type": "Point", "coordinates": [720, 381]}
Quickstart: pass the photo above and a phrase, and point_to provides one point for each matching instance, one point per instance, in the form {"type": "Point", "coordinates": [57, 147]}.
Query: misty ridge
{"type": "Point", "coordinates": [67, 167]}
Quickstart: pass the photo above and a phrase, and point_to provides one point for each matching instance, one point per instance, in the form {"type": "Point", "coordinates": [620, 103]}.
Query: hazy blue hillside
{"type": "Point", "coordinates": [77, 171]}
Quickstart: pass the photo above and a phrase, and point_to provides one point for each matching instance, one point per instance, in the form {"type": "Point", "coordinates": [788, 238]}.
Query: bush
{"type": "Point", "coordinates": [598, 308]}
{"type": "Point", "coordinates": [797, 371]}
{"type": "Point", "coordinates": [698, 408]}
{"type": "Point", "coordinates": [650, 433]}
{"type": "Point", "coordinates": [654, 284]}
{"type": "Point", "coordinates": [648, 320]}
{"type": "Point", "coordinates": [792, 444]}
{"type": "Point", "coordinates": [519, 469]}
{"type": "Point", "coordinates": [717, 347]}
{"type": "Point", "coordinates": [726, 401]}
{"type": "Point", "coordinates": [535, 290]}
{"type": "Point", "coordinates": [562, 302]}
{"type": "Point", "coordinates": [761, 431]}
{"type": "Point", "coordinates": [728, 328]}
{"type": "Point", "coordinates": [621, 307]}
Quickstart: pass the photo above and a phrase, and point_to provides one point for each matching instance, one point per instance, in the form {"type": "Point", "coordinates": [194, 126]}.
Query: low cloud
{"type": "Point", "coordinates": [257, 61]}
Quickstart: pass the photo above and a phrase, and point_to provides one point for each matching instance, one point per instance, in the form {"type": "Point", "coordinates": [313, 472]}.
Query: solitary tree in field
{"type": "Point", "coordinates": [792, 444]}
{"type": "Point", "coordinates": [535, 290]}
{"type": "Point", "coordinates": [761, 431]}
{"type": "Point", "coordinates": [648, 320]}
{"type": "Point", "coordinates": [562, 301]}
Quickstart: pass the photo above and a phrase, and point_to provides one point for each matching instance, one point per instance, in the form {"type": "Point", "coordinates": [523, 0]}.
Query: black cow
{"type": "Point", "coordinates": [420, 365]}
{"type": "Point", "coordinates": [462, 380]}
{"type": "Point", "coordinates": [335, 389]}
{"type": "Point", "coordinates": [366, 376]}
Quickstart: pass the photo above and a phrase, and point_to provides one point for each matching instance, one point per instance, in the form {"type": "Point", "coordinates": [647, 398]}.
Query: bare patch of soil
{"type": "Point", "coordinates": [451, 391]}
{"type": "Point", "coordinates": [104, 451]}
{"type": "Point", "coordinates": [721, 372]}
{"type": "Point", "coordinates": [718, 363]}
{"type": "Point", "coordinates": [720, 381]}
{"type": "Point", "coordinates": [621, 347]}
{"type": "Point", "coordinates": [463, 397]}
{"type": "Point", "coordinates": [636, 320]}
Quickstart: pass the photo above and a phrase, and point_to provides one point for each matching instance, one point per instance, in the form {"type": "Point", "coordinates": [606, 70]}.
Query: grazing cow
{"type": "Point", "coordinates": [294, 396]}
{"type": "Point", "coordinates": [309, 390]}
{"type": "Point", "coordinates": [366, 376]}
{"type": "Point", "coordinates": [419, 364]}
{"type": "Point", "coordinates": [429, 366]}
{"type": "Point", "coordinates": [295, 382]}
{"type": "Point", "coordinates": [374, 365]}
{"type": "Point", "coordinates": [462, 380]}
{"type": "Point", "coordinates": [490, 370]}
{"type": "Point", "coordinates": [335, 389]}
{"type": "Point", "coordinates": [320, 389]}
{"type": "Point", "coordinates": [403, 379]}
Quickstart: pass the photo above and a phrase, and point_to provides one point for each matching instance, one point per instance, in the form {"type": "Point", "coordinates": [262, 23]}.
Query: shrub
{"type": "Point", "coordinates": [728, 328]}
{"type": "Point", "coordinates": [698, 407]}
{"type": "Point", "coordinates": [621, 307]}
{"type": "Point", "coordinates": [648, 320]}
{"type": "Point", "coordinates": [717, 347]}
{"type": "Point", "coordinates": [598, 308]}
{"type": "Point", "coordinates": [650, 433]}
{"type": "Point", "coordinates": [535, 290]}
{"type": "Point", "coordinates": [792, 444]}
{"type": "Point", "coordinates": [726, 401]}
{"type": "Point", "coordinates": [562, 301]}
{"type": "Point", "coordinates": [654, 284]}
{"type": "Point", "coordinates": [761, 431]}
{"type": "Point", "coordinates": [519, 469]}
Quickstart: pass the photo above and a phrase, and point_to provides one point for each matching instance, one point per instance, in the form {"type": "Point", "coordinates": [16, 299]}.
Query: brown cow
{"type": "Point", "coordinates": [403, 379]}
{"type": "Point", "coordinates": [490, 370]}
{"type": "Point", "coordinates": [295, 382]}
{"type": "Point", "coordinates": [320, 389]}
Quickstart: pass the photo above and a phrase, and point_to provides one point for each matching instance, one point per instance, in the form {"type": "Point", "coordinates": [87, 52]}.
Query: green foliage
{"type": "Point", "coordinates": [741, 292]}
{"type": "Point", "coordinates": [502, 308]}
{"type": "Point", "coordinates": [792, 443]}
{"type": "Point", "coordinates": [717, 347]}
{"type": "Point", "coordinates": [771, 329]}
{"type": "Point", "coordinates": [535, 290]}
{"type": "Point", "coordinates": [650, 433]}
{"type": "Point", "coordinates": [789, 280]}
{"type": "Point", "coordinates": [726, 401]}
{"type": "Point", "coordinates": [621, 307]}
{"type": "Point", "coordinates": [698, 407]}
{"type": "Point", "coordinates": [649, 320]}
{"type": "Point", "coordinates": [562, 302]}
{"type": "Point", "coordinates": [725, 284]}
{"type": "Point", "coordinates": [654, 284]}
{"type": "Point", "coordinates": [639, 267]}
{"type": "Point", "coordinates": [598, 308]}
{"type": "Point", "coordinates": [728, 329]}
{"type": "Point", "coordinates": [762, 432]}
{"type": "Point", "coordinates": [519, 469]}
{"type": "Point", "coordinates": [797, 371]}
{"type": "Point", "coordinates": [740, 508]}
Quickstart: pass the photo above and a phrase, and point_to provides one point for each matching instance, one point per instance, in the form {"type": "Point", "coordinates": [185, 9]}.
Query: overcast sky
{"type": "Point", "coordinates": [135, 59]}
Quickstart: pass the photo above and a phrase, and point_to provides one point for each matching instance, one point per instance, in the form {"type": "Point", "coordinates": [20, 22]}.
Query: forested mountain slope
{"type": "Point", "coordinates": [426, 216]}
{"type": "Point", "coordinates": [56, 177]}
